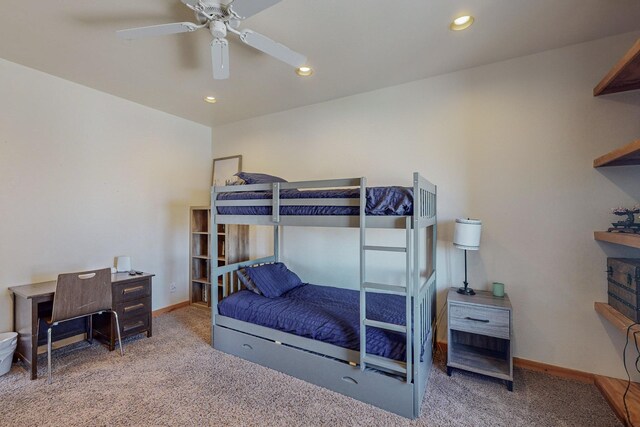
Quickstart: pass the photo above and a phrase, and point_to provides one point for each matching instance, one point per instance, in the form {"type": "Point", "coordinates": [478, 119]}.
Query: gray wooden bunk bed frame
{"type": "Point", "coordinates": [395, 386]}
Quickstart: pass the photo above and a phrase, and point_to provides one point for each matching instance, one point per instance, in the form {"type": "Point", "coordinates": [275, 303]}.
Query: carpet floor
{"type": "Point", "coordinates": [176, 378]}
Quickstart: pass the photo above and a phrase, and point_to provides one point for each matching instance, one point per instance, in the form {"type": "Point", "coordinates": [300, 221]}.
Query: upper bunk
{"type": "Point", "coordinates": [326, 203]}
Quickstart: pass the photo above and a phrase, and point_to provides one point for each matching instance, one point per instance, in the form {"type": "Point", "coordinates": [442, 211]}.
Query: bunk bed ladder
{"type": "Point", "coordinates": [378, 362]}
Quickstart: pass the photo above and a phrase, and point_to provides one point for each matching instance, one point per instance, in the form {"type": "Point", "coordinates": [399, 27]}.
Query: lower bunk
{"type": "Point", "coordinates": [312, 333]}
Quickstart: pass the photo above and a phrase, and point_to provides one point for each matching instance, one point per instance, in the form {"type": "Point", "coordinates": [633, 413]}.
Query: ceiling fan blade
{"type": "Point", "coordinates": [247, 8]}
{"type": "Point", "coordinates": [157, 30]}
{"type": "Point", "coordinates": [275, 49]}
{"type": "Point", "coordinates": [220, 58]}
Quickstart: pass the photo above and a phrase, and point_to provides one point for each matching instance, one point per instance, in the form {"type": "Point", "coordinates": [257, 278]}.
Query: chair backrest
{"type": "Point", "coordinates": [79, 294]}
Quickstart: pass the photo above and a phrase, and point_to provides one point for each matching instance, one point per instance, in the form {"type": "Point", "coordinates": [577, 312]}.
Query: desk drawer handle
{"type": "Point", "coordinates": [134, 289]}
{"type": "Point", "coordinates": [247, 346]}
{"type": "Point", "coordinates": [133, 307]}
{"type": "Point", "coordinates": [135, 325]}
{"type": "Point", "coordinates": [477, 320]}
{"type": "Point", "coordinates": [349, 380]}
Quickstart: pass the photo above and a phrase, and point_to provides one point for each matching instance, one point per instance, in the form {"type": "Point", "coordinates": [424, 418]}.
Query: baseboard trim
{"type": "Point", "coordinates": [532, 365]}
{"type": "Point", "coordinates": [167, 309]}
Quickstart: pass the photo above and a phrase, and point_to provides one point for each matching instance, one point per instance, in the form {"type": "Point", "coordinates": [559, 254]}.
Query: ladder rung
{"type": "Point", "coordinates": [385, 248]}
{"type": "Point", "coordinates": [370, 286]}
{"type": "Point", "coordinates": [385, 325]}
{"type": "Point", "coordinates": [383, 362]}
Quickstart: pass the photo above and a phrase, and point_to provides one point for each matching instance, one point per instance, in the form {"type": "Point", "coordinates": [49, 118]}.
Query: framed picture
{"type": "Point", "coordinates": [224, 168]}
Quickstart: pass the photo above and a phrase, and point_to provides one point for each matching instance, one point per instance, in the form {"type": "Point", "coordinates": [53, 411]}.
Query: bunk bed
{"type": "Point", "coordinates": [384, 354]}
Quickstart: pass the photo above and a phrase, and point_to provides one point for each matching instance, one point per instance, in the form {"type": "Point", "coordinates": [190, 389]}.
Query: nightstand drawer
{"type": "Point", "coordinates": [493, 322]}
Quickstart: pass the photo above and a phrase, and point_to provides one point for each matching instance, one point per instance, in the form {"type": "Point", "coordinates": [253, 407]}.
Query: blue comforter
{"type": "Point", "coordinates": [381, 201]}
{"type": "Point", "coordinates": [326, 314]}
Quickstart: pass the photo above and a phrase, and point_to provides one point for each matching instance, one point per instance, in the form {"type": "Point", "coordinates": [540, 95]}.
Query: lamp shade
{"type": "Point", "coordinates": [467, 234]}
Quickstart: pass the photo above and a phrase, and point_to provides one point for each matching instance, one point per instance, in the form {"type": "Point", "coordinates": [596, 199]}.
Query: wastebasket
{"type": "Point", "coordinates": [8, 344]}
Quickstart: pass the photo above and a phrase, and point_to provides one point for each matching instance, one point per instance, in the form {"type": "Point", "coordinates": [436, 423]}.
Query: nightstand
{"type": "Point", "coordinates": [479, 334]}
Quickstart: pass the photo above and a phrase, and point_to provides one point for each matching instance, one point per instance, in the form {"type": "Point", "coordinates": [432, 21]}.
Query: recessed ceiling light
{"type": "Point", "coordinates": [210, 99]}
{"type": "Point", "coordinates": [461, 23]}
{"type": "Point", "coordinates": [304, 71]}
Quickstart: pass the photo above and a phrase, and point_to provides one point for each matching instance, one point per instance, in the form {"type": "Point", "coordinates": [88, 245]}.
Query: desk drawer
{"type": "Point", "coordinates": [493, 322]}
{"type": "Point", "coordinates": [129, 309]}
{"type": "Point", "coordinates": [134, 325]}
{"type": "Point", "coordinates": [133, 290]}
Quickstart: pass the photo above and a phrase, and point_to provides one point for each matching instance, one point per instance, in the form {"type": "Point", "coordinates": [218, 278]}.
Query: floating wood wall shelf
{"type": "Point", "coordinates": [623, 156]}
{"type": "Point", "coordinates": [626, 239]}
{"type": "Point", "coordinates": [624, 76]}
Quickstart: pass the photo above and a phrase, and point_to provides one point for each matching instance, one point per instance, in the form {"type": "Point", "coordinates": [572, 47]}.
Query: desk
{"type": "Point", "coordinates": [131, 298]}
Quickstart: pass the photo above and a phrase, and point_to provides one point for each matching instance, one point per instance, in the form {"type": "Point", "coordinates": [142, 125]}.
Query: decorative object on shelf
{"type": "Point", "coordinates": [623, 277]}
{"type": "Point", "coordinates": [628, 225]}
{"type": "Point", "coordinates": [224, 169]}
{"type": "Point", "coordinates": [498, 290]}
{"type": "Point", "coordinates": [466, 236]}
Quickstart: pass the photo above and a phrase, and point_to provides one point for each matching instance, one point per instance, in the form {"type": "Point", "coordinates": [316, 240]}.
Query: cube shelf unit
{"type": "Point", "coordinates": [233, 246]}
{"type": "Point", "coordinates": [624, 76]}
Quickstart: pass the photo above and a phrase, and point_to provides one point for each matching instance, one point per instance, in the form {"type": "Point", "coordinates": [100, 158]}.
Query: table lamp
{"type": "Point", "coordinates": [466, 236]}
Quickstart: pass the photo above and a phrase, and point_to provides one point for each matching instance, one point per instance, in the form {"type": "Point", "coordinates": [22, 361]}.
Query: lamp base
{"type": "Point", "coordinates": [466, 291]}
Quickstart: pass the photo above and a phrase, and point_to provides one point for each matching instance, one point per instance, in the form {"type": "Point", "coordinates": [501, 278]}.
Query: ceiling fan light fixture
{"type": "Point", "coordinates": [304, 71]}
{"type": "Point", "coordinates": [461, 23]}
{"type": "Point", "coordinates": [210, 99]}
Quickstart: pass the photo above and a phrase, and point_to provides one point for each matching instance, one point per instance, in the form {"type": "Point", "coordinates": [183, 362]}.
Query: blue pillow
{"type": "Point", "coordinates": [273, 280]}
{"type": "Point", "coordinates": [247, 282]}
{"type": "Point", "coordinates": [259, 178]}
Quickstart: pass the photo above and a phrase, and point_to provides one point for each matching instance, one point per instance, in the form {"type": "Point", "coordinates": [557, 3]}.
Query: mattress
{"type": "Point", "coordinates": [326, 314]}
{"type": "Point", "coordinates": [381, 201]}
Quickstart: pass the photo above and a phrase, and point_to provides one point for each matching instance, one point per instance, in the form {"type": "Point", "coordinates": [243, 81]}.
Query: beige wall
{"type": "Point", "coordinates": [85, 176]}
{"type": "Point", "coordinates": [510, 143]}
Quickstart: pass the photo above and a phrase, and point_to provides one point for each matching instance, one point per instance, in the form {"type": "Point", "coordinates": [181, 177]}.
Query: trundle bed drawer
{"type": "Point", "coordinates": [492, 322]}
{"type": "Point", "coordinates": [384, 391]}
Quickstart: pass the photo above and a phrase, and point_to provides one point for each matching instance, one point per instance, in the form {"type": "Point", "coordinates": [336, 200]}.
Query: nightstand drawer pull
{"type": "Point", "coordinates": [477, 320]}
{"type": "Point", "coordinates": [134, 289]}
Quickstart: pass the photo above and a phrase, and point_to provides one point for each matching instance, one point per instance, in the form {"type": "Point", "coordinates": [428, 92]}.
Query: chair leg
{"type": "Point", "coordinates": [90, 329]}
{"type": "Point", "coordinates": [115, 315]}
{"type": "Point", "coordinates": [49, 354]}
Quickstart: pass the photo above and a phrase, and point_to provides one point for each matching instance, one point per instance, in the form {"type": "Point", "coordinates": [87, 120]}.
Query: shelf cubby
{"type": "Point", "coordinates": [232, 245]}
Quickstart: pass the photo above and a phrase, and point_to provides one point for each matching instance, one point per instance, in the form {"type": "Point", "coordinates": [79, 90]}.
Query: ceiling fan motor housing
{"type": "Point", "coordinates": [218, 29]}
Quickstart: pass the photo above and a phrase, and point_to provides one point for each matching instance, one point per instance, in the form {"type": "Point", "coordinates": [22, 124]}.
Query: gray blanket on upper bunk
{"type": "Point", "coordinates": [381, 201]}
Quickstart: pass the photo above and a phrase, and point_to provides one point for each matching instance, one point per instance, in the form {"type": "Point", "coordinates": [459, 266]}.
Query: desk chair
{"type": "Point", "coordinates": [81, 295]}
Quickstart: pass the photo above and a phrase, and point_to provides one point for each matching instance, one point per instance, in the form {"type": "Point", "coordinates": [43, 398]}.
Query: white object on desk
{"type": "Point", "coordinates": [123, 264]}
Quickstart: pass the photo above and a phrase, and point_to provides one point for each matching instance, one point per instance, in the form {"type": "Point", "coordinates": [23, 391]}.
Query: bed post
{"type": "Point", "coordinates": [415, 291]}
{"type": "Point", "coordinates": [213, 244]}
{"type": "Point", "coordinates": [276, 243]}
{"type": "Point", "coordinates": [363, 293]}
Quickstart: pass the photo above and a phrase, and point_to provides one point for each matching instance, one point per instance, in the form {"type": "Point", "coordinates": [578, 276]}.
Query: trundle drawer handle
{"type": "Point", "coordinates": [477, 320]}
{"type": "Point", "coordinates": [133, 307]}
{"type": "Point", "coordinates": [130, 327]}
{"type": "Point", "coordinates": [134, 289]}
{"type": "Point", "coordinates": [247, 346]}
{"type": "Point", "coordinates": [349, 380]}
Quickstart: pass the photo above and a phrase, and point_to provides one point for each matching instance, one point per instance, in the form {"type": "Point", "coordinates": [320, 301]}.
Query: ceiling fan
{"type": "Point", "coordinates": [220, 19]}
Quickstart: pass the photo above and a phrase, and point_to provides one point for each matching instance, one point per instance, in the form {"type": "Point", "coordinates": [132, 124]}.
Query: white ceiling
{"type": "Point", "coordinates": [354, 45]}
